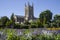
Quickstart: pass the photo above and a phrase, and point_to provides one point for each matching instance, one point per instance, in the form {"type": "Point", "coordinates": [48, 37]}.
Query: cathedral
{"type": "Point", "coordinates": [29, 15]}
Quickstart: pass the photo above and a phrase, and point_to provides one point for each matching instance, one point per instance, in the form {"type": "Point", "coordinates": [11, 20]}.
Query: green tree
{"type": "Point", "coordinates": [17, 26]}
{"type": "Point", "coordinates": [26, 22]}
{"type": "Point", "coordinates": [39, 24]}
{"type": "Point", "coordinates": [3, 20]}
{"type": "Point", "coordinates": [45, 16]}
{"type": "Point", "coordinates": [57, 17]}
{"type": "Point", "coordinates": [0, 23]}
{"type": "Point", "coordinates": [12, 17]}
{"type": "Point", "coordinates": [9, 23]}
{"type": "Point", "coordinates": [33, 24]}
{"type": "Point", "coordinates": [57, 20]}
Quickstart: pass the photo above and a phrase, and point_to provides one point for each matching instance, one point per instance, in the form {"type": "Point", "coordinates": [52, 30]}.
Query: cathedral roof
{"type": "Point", "coordinates": [18, 16]}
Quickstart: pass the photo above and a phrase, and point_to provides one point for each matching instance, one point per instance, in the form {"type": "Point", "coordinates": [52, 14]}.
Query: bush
{"type": "Point", "coordinates": [17, 26]}
{"type": "Point", "coordinates": [34, 26]}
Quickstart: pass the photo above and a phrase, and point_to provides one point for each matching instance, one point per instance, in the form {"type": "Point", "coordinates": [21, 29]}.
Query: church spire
{"type": "Point", "coordinates": [25, 4]}
{"type": "Point", "coordinates": [32, 4]}
{"type": "Point", "coordinates": [28, 3]}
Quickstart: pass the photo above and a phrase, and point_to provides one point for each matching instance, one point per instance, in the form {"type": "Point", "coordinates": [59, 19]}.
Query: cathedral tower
{"type": "Point", "coordinates": [29, 12]}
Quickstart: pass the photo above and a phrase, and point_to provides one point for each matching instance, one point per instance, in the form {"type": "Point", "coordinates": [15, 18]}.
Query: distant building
{"type": "Point", "coordinates": [29, 15]}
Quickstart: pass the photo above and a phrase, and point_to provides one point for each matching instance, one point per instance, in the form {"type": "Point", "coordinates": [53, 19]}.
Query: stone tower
{"type": "Point", "coordinates": [29, 11]}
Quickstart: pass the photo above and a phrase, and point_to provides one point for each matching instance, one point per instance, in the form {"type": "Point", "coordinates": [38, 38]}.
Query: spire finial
{"type": "Point", "coordinates": [28, 3]}
{"type": "Point", "coordinates": [25, 4]}
{"type": "Point", "coordinates": [32, 4]}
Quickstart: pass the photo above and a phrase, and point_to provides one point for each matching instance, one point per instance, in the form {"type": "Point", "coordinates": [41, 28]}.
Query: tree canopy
{"type": "Point", "coordinates": [45, 16]}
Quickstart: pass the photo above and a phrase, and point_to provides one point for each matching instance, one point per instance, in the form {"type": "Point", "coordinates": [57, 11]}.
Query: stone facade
{"type": "Point", "coordinates": [29, 14]}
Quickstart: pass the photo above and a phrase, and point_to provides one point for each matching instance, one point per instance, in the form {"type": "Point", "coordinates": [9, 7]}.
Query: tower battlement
{"type": "Point", "coordinates": [29, 14]}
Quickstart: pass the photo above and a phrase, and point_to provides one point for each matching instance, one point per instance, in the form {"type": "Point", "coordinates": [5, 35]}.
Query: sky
{"type": "Point", "coordinates": [7, 7]}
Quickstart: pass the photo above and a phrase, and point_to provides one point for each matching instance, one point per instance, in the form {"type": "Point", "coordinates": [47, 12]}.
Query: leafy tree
{"type": "Point", "coordinates": [26, 22]}
{"type": "Point", "coordinates": [57, 17]}
{"type": "Point", "coordinates": [45, 16]}
{"type": "Point", "coordinates": [0, 23]}
{"type": "Point", "coordinates": [17, 26]}
{"type": "Point", "coordinates": [3, 20]}
{"type": "Point", "coordinates": [12, 17]}
{"type": "Point", "coordinates": [33, 24]}
{"type": "Point", "coordinates": [39, 24]}
{"type": "Point", "coordinates": [52, 24]}
{"type": "Point", "coordinates": [46, 25]}
{"type": "Point", "coordinates": [58, 23]}
{"type": "Point", "coordinates": [57, 20]}
{"type": "Point", "coordinates": [9, 24]}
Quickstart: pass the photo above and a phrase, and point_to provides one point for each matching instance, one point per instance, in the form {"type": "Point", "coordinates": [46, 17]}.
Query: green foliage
{"type": "Point", "coordinates": [53, 25]}
{"type": "Point", "coordinates": [24, 26]}
{"type": "Point", "coordinates": [23, 38]}
{"type": "Point", "coordinates": [9, 23]}
{"type": "Point", "coordinates": [12, 17]}
{"type": "Point", "coordinates": [46, 25]}
{"type": "Point", "coordinates": [42, 37]}
{"type": "Point", "coordinates": [57, 20]}
{"type": "Point", "coordinates": [33, 26]}
{"type": "Point", "coordinates": [26, 31]}
{"type": "Point", "coordinates": [39, 24]}
{"type": "Point", "coordinates": [11, 35]}
{"type": "Point", "coordinates": [57, 17]}
{"type": "Point", "coordinates": [45, 16]}
{"type": "Point", "coordinates": [17, 26]}
{"type": "Point", "coordinates": [3, 20]}
{"type": "Point", "coordinates": [33, 37]}
{"type": "Point", "coordinates": [58, 37]}
{"type": "Point", "coordinates": [26, 22]}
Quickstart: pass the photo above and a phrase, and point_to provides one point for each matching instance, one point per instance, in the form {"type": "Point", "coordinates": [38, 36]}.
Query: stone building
{"type": "Point", "coordinates": [29, 14]}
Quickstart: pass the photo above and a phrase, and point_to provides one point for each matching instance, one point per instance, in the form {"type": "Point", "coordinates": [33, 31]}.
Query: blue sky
{"type": "Point", "coordinates": [7, 7]}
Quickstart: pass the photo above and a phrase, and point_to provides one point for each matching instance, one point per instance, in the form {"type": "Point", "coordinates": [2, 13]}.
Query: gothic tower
{"type": "Point", "coordinates": [29, 12]}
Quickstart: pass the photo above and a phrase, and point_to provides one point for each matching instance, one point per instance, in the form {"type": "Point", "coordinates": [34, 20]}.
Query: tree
{"type": "Point", "coordinates": [33, 24]}
{"type": "Point", "coordinates": [45, 15]}
{"type": "Point", "coordinates": [9, 24]}
{"type": "Point", "coordinates": [0, 23]}
{"type": "Point", "coordinates": [17, 26]}
{"type": "Point", "coordinates": [57, 20]}
{"type": "Point", "coordinates": [26, 22]}
{"type": "Point", "coordinates": [3, 20]}
{"type": "Point", "coordinates": [57, 17]}
{"type": "Point", "coordinates": [12, 17]}
{"type": "Point", "coordinates": [39, 24]}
